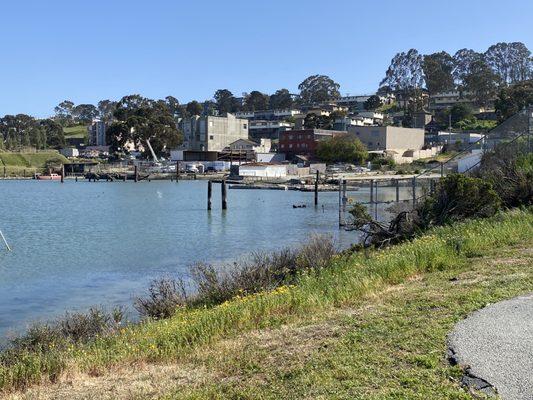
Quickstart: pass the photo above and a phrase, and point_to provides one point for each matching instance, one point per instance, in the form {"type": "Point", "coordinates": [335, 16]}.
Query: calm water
{"type": "Point", "coordinates": [80, 244]}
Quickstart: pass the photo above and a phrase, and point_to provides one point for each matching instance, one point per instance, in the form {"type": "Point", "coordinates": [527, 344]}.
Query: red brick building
{"type": "Point", "coordinates": [303, 142]}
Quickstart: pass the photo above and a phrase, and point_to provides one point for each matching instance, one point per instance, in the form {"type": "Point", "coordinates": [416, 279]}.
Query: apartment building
{"type": "Point", "coordinates": [212, 133]}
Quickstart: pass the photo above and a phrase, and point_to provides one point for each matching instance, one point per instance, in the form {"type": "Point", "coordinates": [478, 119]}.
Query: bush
{"type": "Point", "coordinates": [261, 271]}
{"type": "Point", "coordinates": [459, 197]}
{"type": "Point", "coordinates": [74, 327]}
{"type": "Point", "coordinates": [165, 296]}
{"type": "Point", "coordinates": [509, 168]}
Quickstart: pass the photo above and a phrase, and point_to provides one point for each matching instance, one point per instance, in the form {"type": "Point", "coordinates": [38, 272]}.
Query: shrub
{"type": "Point", "coordinates": [456, 197]}
{"type": "Point", "coordinates": [73, 327]}
{"type": "Point", "coordinates": [261, 271]}
{"type": "Point", "coordinates": [509, 168]}
{"type": "Point", "coordinates": [165, 296]}
{"type": "Point", "coordinates": [459, 197]}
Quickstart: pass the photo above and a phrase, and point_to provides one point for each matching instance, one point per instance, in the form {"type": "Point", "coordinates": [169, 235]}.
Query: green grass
{"type": "Point", "coordinates": [78, 131]}
{"type": "Point", "coordinates": [389, 346]}
{"type": "Point", "coordinates": [345, 284]}
{"type": "Point", "coordinates": [17, 163]}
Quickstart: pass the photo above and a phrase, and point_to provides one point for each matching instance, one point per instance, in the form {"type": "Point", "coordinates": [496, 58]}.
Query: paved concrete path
{"type": "Point", "coordinates": [496, 345]}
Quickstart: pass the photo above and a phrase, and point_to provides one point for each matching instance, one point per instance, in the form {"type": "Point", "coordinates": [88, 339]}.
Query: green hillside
{"type": "Point", "coordinates": [78, 131]}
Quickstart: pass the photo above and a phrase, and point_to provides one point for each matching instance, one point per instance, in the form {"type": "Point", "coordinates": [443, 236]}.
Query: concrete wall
{"type": "Point", "coordinates": [388, 137]}
{"type": "Point", "coordinates": [222, 131]}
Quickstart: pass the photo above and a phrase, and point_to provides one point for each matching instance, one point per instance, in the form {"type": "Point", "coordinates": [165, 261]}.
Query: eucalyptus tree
{"type": "Point", "coordinates": [438, 68]}
{"type": "Point", "coordinates": [318, 88]}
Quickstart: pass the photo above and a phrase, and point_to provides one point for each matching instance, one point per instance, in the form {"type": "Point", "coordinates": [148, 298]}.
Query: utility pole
{"type": "Point", "coordinates": [450, 129]}
{"type": "Point", "coordinates": [530, 127]}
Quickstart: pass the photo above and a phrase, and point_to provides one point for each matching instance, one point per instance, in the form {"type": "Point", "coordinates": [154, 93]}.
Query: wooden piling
{"type": "Point", "coordinates": [371, 191]}
{"type": "Point", "coordinates": [344, 198]}
{"type": "Point", "coordinates": [62, 173]}
{"type": "Point", "coordinates": [397, 181]}
{"type": "Point", "coordinates": [136, 172]}
{"type": "Point", "coordinates": [340, 203]}
{"type": "Point", "coordinates": [224, 201]}
{"type": "Point", "coordinates": [5, 172]}
{"type": "Point", "coordinates": [316, 188]}
{"type": "Point", "coordinates": [209, 192]}
{"type": "Point", "coordinates": [177, 171]}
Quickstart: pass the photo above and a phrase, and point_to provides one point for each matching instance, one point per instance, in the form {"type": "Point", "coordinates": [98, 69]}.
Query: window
{"type": "Point", "coordinates": [290, 146]}
{"type": "Point", "coordinates": [244, 126]}
{"type": "Point", "coordinates": [211, 137]}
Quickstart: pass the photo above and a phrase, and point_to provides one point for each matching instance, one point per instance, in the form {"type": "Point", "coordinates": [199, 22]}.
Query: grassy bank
{"type": "Point", "coordinates": [17, 163]}
{"type": "Point", "coordinates": [78, 131]}
{"type": "Point", "coordinates": [344, 284]}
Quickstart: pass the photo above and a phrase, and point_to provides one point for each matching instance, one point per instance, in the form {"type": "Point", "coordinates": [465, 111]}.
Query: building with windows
{"type": "Point", "coordinates": [96, 133]}
{"type": "Point", "coordinates": [262, 129]}
{"type": "Point", "coordinates": [303, 141]}
{"type": "Point", "coordinates": [212, 133]}
{"type": "Point", "coordinates": [268, 115]}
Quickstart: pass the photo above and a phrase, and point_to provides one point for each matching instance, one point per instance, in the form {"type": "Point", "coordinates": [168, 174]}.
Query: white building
{"type": "Point", "coordinates": [263, 170]}
{"type": "Point", "coordinates": [70, 152]}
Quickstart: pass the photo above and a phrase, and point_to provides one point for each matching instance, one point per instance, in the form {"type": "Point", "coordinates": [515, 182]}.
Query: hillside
{"type": "Point", "coordinates": [17, 163]}
{"type": "Point", "coordinates": [78, 131]}
{"type": "Point", "coordinates": [368, 326]}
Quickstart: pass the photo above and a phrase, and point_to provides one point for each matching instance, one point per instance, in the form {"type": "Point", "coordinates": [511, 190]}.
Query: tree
{"type": "Point", "coordinates": [194, 108]}
{"type": "Point", "coordinates": [139, 120]}
{"type": "Point", "coordinates": [53, 133]}
{"type": "Point", "coordinates": [63, 111]}
{"type": "Point", "coordinates": [481, 82]}
{"type": "Point", "coordinates": [226, 102]}
{"type": "Point", "coordinates": [342, 148]}
{"type": "Point", "coordinates": [405, 72]}
{"type": "Point", "coordinates": [438, 68]}
{"type": "Point", "coordinates": [510, 61]}
{"type": "Point", "coordinates": [84, 113]}
{"type": "Point", "coordinates": [460, 112]}
{"type": "Point", "coordinates": [405, 75]}
{"type": "Point", "coordinates": [256, 101]}
{"type": "Point", "coordinates": [131, 105]}
{"type": "Point", "coordinates": [513, 99]}
{"type": "Point", "coordinates": [313, 121]}
{"type": "Point", "coordinates": [462, 65]}
{"type": "Point", "coordinates": [282, 99]}
{"type": "Point", "coordinates": [372, 103]}
{"type": "Point", "coordinates": [210, 107]}
{"type": "Point", "coordinates": [173, 106]}
{"type": "Point", "coordinates": [318, 88]}
{"type": "Point", "coordinates": [106, 108]}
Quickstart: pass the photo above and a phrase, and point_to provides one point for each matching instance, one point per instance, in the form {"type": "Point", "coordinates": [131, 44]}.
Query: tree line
{"type": "Point", "coordinates": [478, 75]}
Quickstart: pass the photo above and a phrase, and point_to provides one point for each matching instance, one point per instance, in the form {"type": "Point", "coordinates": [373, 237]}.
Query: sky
{"type": "Point", "coordinates": [89, 50]}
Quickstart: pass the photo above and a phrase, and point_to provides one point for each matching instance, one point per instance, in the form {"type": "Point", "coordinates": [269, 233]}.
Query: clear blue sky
{"type": "Point", "coordinates": [86, 51]}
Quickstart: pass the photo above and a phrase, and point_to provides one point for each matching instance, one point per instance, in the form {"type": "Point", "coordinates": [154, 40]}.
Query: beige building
{"type": "Point", "coordinates": [388, 137]}
{"type": "Point", "coordinates": [210, 133]}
